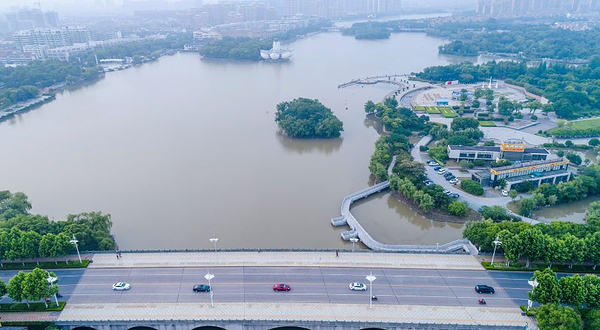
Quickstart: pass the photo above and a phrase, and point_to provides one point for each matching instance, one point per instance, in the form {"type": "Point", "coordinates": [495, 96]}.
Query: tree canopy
{"type": "Point", "coordinates": [306, 118]}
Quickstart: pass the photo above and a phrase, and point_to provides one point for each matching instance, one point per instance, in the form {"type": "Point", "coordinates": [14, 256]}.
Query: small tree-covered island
{"type": "Point", "coordinates": [306, 118]}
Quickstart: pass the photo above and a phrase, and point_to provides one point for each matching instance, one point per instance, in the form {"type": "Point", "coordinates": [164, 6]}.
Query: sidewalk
{"type": "Point", "coordinates": [29, 316]}
{"type": "Point", "coordinates": [297, 312]}
{"type": "Point", "coordinates": [279, 259]}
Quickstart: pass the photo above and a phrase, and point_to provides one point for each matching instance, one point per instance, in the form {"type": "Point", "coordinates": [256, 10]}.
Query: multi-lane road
{"type": "Point", "coordinates": [309, 284]}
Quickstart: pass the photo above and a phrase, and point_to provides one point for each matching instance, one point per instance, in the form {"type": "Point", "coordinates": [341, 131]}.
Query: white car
{"type": "Point", "coordinates": [454, 181]}
{"type": "Point", "coordinates": [121, 286]}
{"type": "Point", "coordinates": [358, 286]}
{"type": "Point", "coordinates": [52, 280]}
{"type": "Point", "coordinates": [441, 171]}
{"type": "Point", "coordinates": [504, 193]}
{"type": "Point", "coordinates": [432, 163]}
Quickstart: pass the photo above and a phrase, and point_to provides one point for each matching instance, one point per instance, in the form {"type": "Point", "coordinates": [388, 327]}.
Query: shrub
{"type": "Point", "coordinates": [423, 148]}
{"type": "Point", "coordinates": [534, 117]}
{"type": "Point", "coordinates": [471, 187]}
{"type": "Point", "coordinates": [458, 208]}
{"type": "Point", "coordinates": [574, 158]}
{"type": "Point", "coordinates": [594, 142]}
{"type": "Point", "coordinates": [479, 162]}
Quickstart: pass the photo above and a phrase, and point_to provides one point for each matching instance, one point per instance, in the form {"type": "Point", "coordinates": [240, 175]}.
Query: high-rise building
{"type": "Point", "coordinates": [52, 38]}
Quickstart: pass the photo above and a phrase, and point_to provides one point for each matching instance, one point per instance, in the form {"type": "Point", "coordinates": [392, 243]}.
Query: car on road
{"type": "Point", "coordinates": [447, 192]}
{"type": "Point", "coordinates": [454, 181]}
{"type": "Point", "coordinates": [484, 289]}
{"type": "Point", "coordinates": [356, 286]}
{"type": "Point", "coordinates": [441, 171]}
{"type": "Point", "coordinates": [121, 286]}
{"type": "Point", "coordinates": [504, 193]}
{"type": "Point", "coordinates": [201, 288]}
{"type": "Point", "coordinates": [454, 195]}
{"type": "Point", "coordinates": [437, 168]}
{"type": "Point", "coordinates": [281, 287]}
{"type": "Point", "coordinates": [432, 163]}
{"type": "Point", "coordinates": [427, 182]}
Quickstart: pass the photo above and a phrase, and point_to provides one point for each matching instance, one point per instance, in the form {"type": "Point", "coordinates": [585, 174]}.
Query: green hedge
{"type": "Point", "coordinates": [471, 187]}
{"type": "Point", "coordinates": [46, 265]}
{"type": "Point", "coordinates": [33, 307]}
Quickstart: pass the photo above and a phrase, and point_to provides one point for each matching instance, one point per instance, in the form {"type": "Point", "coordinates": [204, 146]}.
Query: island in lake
{"type": "Point", "coordinates": [306, 118]}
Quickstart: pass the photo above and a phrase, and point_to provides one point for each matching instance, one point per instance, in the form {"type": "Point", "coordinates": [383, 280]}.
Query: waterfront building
{"type": "Point", "coordinates": [510, 150]}
{"type": "Point", "coordinates": [276, 53]}
{"type": "Point", "coordinates": [515, 8]}
{"type": "Point", "coordinates": [540, 172]}
{"type": "Point", "coordinates": [52, 38]}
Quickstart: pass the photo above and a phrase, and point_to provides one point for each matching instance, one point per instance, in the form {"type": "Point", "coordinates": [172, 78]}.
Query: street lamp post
{"type": "Point", "coordinates": [371, 278]}
{"type": "Point", "coordinates": [214, 240]}
{"type": "Point", "coordinates": [533, 284]}
{"type": "Point", "coordinates": [50, 281]}
{"type": "Point", "coordinates": [75, 241]}
{"type": "Point", "coordinates": [209, 277]}
{"type": "Point", "coordinates": [353, 240]}
{"type": "Point", "coordinates": [496, 243]}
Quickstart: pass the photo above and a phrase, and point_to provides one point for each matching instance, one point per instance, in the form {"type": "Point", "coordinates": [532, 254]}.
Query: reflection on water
{"type": "Point", "coordinates": [182, 148]}
{"type": "Point", "coordinates": [301, 146]}
{"type": "Point", "coordinates": [402, 225]}
{"type": "Point", "coordinates": [574, 212]}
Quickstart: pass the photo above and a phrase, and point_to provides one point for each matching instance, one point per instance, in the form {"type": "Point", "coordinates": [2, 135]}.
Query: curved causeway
{"type": "Point", "coordinates": [357, 231]}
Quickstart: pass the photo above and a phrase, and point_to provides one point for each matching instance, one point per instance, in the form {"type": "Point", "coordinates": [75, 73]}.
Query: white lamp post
{"type": "Point", "coordinates": [371, 278]}
{"type": "Point", "coordinates": [214, 240]}
{"type": "Point", "coordinates": [51, 280]}
{"type": "Point", "coordinates": [75, 241]}
{"type": "Point", "coordinates": [496, 243]}
{"type": "Point", "coordinates": [209, 277]}
{"type": "Point", "coordinates": [353, 240]}
{"type": "Point", "coordinates": [533, 284]}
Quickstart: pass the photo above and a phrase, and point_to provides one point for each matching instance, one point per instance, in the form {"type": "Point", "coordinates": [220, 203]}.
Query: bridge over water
{"type": "Point", "coordinates": [400, 80]}
{"type": "Point", "coordinates": [357, 230]}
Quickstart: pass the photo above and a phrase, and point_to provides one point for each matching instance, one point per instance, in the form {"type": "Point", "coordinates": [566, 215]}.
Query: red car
{"type": "Point", "coordinates": [281, 287]}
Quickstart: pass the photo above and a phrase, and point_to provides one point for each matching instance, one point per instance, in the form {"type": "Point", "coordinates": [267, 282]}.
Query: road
{"type": "Point", "coordinates": [309, 284]}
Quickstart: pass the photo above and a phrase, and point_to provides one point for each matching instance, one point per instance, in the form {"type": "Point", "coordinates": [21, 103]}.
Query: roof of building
{"type": "Point", "coordinates": [484, 174]}
{"type": "Point", "coordinates": [442, 100]}
{"type": "Point", "coordinates": [475, 148]}
{"type": "Point", "coordinates": [536, 151]}
{"type": "Point", "coordinates": [528, 164]}
{"type": "Point", "coordinates": [541, 176]}
{"type": "Point", "coordinates": [497, 149]}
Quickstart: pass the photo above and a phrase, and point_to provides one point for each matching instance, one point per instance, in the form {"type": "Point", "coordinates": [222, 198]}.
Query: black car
{"type": "Point", "coordinates": [454, 195]}
{"type": "Point", "coordinates": [484, 289]}
{"type": "Point", "coordinates": [201, 288]}
{"type": "Point", "coordinates": [450, 177]}
{"type": "Point", "coordinates": [448, 174]}
{"type": "Point", "coordinates": [437, 168]}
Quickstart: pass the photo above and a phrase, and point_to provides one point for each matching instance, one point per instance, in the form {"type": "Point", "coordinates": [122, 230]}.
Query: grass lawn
{"type": "Point", "coordinates": [581, 127]}
{"type": "Point", "coordinates": [45, 265]}
{"type": "Point", "coordinates": [419, 108]}
{"type": "Point", "coordinates": [433, 110]}
{"type": "Point", "coordinates": [33, 307]}
{"type": "Point", "coordinates": [448, 112]}
{"type": "Point", "coordinates": [487, 123]}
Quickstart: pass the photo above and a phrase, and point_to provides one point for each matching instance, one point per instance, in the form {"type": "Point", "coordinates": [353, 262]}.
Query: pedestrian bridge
{"type": "Point", "coordinates": [357, 230]}
{"type": "Point", "coordinates": [400, 80]}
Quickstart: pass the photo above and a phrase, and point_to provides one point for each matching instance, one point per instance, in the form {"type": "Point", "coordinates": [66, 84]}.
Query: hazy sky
{"type": "Point", "coordinates": [62, 5]}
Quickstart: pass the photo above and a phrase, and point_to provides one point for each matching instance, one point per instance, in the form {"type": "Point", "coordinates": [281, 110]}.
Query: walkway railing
{"type": "Point", "coordinates": [387, 79]}
{"type": "Point", "coordinates": [357, 230]}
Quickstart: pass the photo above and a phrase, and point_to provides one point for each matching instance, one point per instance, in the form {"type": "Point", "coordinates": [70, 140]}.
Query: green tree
{"type": "Point", "coordinates": [593, 248]}
{"type": "Point", "coordinates": [547, 291]}
{"type": "Point", "coordinates": [572, 289]}
{"type": "Point", "coordinates": [533, 106]}
{"type": "Point", "coordinates": [30, 245]}
{"type": "Point", "coordinates": [306, 118]}
{"type": "Point", "coordinates": [458, 208]}
{"type": "Point", "coordinates": [471, 187]}
{"type": "Point", "coordinates": [513, 194]}
{"type": "Point", "coordinates": [3, 289]}
{"type": "Point", "coordinates": [592, 287]}
{"type": "Point", "coordinates": [557, 317]}
{"type": "Point", "coordinates": [369, 107]}
{"type": "Point", "coordinates": [592, 320]}
{"type": "Point", "coordinates": [462, 123]}
{"type": "Point", "coordinates": [534, 244]}
{"type": "Point", "coordinates": [576, 248]}
{"type": "Point", "coordinates": [594, 142]}
{"type": "Point", "coordinates": [16, 287]}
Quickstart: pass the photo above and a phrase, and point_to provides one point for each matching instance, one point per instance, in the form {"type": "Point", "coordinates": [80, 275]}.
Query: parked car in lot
{"type": "Point", "coordinates": [437, 168]}
{"type": "Point", "coordinates": [450, 177]}
{"type": "Point", "coordinates": [484, 289]}
{"type": "Point", "coordinates": [447, 192]}
{"type": "Point", "coordinates": [504, 193]}
{"type": "Point", "coordinates": [121, 286]}
{"type": "Point", "coordinates": [454, 195]}
{"type": "Point", "coordinates": [427, 182]}
{"type": "Point", "coordinates": [201, 288]}
{"type": "Point", "coordinates": [281, 287]}
{"type": "Point", "coordinates": [448, 174]}
{"type": "Point", "coordinates": [454, 181]}
{"type": "Point", "coordinates": [356, 286]}
{"type": "Point", "coordinates": [432, 163]}
{"type": "Point", "coordinates": [441, 171]}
